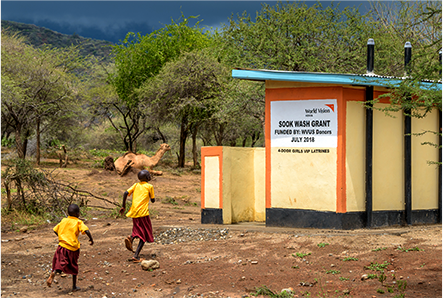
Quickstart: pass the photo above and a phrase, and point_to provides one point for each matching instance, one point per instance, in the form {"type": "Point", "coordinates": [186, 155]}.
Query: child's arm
{"type": "Point", "coordinates": [90, 236]}
{"type": "Point", "coordinates": [122, 210]}
{"type": "Point", "coordinates": [151, 195]}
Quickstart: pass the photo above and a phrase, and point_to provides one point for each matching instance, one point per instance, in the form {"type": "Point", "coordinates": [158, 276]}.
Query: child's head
{"type": "Point", "coordinates": [73, 210]}
{"type": "Point", "coordinates": [144, 175]}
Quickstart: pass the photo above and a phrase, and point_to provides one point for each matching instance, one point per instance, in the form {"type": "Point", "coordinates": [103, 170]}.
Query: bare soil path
{"type": "Point", "coordinates": [219, 260]}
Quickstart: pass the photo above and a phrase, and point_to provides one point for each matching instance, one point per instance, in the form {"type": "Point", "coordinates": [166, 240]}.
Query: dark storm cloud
{"type": "Point", "coordinates": [111, 20]}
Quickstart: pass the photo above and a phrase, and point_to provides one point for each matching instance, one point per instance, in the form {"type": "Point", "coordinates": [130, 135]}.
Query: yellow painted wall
{"type": "Point", "coordinates": [355, 156]}
{"type": "Point", "coordinates": [424, 176]}
{"type": "Point", "coordinates": [241, 183]}
{"type": "Point", "coordinates": [227, 190]}
{"type": "Point", "coordinates": [304, 180]}
{"type": "Point", "coordinates": [388, 161]}
{"type": "Point", "coordinates": [259, 184]}
{"type": "Point", "coordinates": [212, 184]}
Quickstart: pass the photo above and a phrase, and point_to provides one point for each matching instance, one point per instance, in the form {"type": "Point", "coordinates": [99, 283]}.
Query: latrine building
{"type": "Point", "coordinates": [328, 161]}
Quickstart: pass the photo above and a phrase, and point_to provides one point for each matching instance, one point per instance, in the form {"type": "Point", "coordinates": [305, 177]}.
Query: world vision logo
{"type": "Point", "coordinates": [325, 110]}
{"type": "Point", "coordinates": [331, 106]}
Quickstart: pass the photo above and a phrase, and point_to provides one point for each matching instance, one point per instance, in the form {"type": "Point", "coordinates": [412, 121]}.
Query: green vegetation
{"type": "Point", "coordinates": [169, 200]}
{"type": "Point", "coordinates": [343, 278]}
{"type": "Point", "coordinates": [380, 249]}
{"type": "Point", "coordinates": [409, 249]}
{"type": "Point", "coordinates": [301, 255]}
{"type": "Point", "coordinates": [194, 204]}
{"type": "Point", "coordinates": [333, 272]}
{"type": "Point", "coordinates": [377, 266]}
{"type": "Point", "coordinates": [349, 259]}
{"type": "Point", "coordinates": [321, 244]}
{"type": "Point", "coordinates": [265, 291]}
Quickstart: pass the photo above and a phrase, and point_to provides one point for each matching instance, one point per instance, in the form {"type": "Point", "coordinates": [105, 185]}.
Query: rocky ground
{"type": "Point", "coordinates": [220, 260]}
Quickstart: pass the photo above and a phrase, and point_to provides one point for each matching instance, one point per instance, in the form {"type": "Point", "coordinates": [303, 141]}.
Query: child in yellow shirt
{"type": "Point", "coordinates": [68, 250]}
{"type": "Point", "coordinates": [142, 192]}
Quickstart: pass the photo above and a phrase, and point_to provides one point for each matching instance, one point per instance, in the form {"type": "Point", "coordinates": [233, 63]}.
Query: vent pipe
{"type": "Point", "coordinates": [370, 56]}
{"type": "Point", "coordinates": [408, 145]}
{"type": "Point", "coordinates": [369, 135]}
{"type": "Point", "coordinates": [408, 55]}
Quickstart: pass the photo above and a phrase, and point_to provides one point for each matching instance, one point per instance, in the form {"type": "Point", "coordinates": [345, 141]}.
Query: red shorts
{"type": "Point", "coordinates": [65, 260]}
{"type": "Point", "coordinates": [142, 229]}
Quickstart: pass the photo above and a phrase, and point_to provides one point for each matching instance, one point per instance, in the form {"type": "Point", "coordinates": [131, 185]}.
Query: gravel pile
{"type": "Point", "coordinates": [179, 235]}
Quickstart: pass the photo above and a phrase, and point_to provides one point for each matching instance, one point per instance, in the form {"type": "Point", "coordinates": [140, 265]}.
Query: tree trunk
{"type": "Point", "coordinates": [25, 142]}
{"type": "Point", "coordinates": [161, 135]}
{"type": "Point", "coordinates": [8, 195]}
{"type": "Point", "coordinates": [255, 138]}
{"type": "Point", "coordinates": [20, 192]}
{"type": "Point", "coordinates": [183, 137]}
{"type": "Point", "coordinates": [194, 146]}
{"type": "Point", "coordinates": [37, 153]}
{"type": "Point", "coordinates": [18, 142]}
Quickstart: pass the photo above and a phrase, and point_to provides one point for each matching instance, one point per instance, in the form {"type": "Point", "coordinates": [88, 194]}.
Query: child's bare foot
{"type": "Point", "coordinates": [137, 260]}
{"type": "Point", "coordinates": [128, 243]}
{"type": "Point", "coordinates": [50, 279]}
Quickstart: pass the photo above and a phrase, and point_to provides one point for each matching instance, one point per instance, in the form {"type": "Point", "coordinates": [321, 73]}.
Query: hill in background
{"type": "Point", "coordinates": [38, 36]}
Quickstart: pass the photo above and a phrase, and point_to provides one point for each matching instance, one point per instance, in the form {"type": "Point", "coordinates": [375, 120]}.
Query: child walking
{"type": "Point", "coordinates": [142, 192]}
{"type": "Point", "coordinates": [68, 250]}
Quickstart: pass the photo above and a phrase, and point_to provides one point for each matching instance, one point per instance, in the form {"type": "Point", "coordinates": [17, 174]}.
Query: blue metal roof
{"type": "Point", "coordinates": [325, 78]}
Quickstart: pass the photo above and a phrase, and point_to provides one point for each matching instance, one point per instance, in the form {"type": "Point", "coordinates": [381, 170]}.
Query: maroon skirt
{"type": "Point", "coordinates": [65, 260]}
{"type": "Point", "coordinates": [142, 229]}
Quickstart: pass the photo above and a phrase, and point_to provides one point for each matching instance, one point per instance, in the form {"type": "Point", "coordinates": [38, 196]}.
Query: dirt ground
{"type": "Point", "coordinates": [249, 258]}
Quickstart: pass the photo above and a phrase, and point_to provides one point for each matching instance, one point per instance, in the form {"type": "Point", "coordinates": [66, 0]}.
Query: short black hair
{"type": "Point", "coordinates": [73, 209]}
{"type": "Point", "coordinates": [144, 175]}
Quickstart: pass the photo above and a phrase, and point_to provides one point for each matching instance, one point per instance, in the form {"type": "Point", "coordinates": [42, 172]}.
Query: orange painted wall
{"type": "Point", "coordinates": [310, 93]}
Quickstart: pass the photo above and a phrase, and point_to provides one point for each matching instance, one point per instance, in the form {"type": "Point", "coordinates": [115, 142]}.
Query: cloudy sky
{"type": "Point", "coordinates": [111, 20]}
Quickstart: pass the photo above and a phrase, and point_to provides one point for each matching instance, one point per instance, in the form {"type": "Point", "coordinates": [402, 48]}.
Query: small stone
{"type": "Point", "coordinates": [150, 264]}
{"type": "Point", "coordinates": [178, 281]}
{"type": "Point", "coordinates": [24, 229]}
{"type": "Point", "coordinates": [364, 277]}
{"type": "Point", "coordinates": [254, 262]}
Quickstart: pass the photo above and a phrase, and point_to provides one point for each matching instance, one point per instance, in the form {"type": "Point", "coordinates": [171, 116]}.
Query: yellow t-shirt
{"type": "Point", "coordinates": [68, 230]}
{"type": "Point", "coordinates": [141, 192]}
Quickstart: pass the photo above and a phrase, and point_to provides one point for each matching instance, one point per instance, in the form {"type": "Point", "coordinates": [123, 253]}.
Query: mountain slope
{"type": "Point", "coordinates": [38, 36]}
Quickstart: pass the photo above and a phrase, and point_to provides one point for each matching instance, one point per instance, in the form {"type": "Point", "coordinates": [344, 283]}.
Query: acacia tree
{"type": "Point", "coordinates": [295, 37]}
{"type": "Point", "coordinates": [37, 85]}
{"type": "Point", "coordinates": [187, 91]}
{"type": "Point", "coordinates": [139, 58]}
{"type": "Point", "coordinates": [420, 24]}
{"type": "Point", "coordinates": [239, 117]}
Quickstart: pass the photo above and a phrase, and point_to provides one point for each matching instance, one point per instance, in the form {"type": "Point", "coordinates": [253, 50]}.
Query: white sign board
{"type": "Point", "coordinates": [304, 123]}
